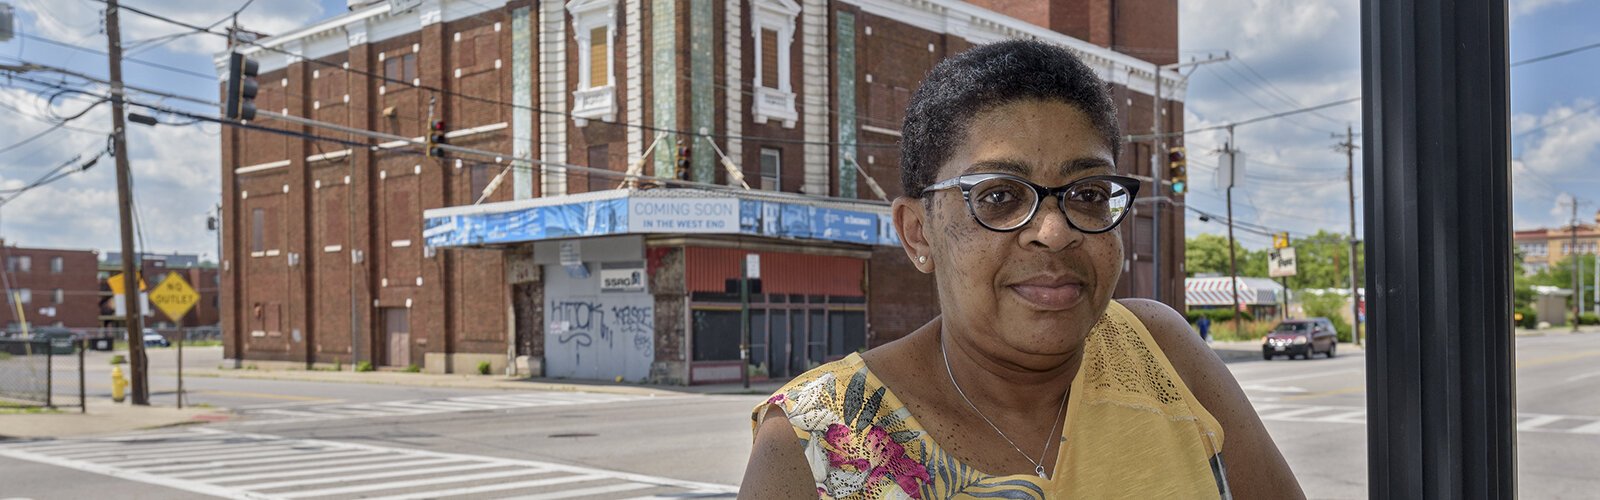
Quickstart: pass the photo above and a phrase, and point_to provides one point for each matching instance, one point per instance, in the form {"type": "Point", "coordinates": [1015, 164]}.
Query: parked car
{"type": "Point", "coordinates": [1301, 337]}
{"type": "Point", "coordinates": [153, 339]}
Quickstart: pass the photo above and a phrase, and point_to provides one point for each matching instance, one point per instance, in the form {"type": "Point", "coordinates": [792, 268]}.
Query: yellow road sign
{"type": "Point", "coordinates": [118, 285]}
{"type": "Point", "coordinates": [174, 296]}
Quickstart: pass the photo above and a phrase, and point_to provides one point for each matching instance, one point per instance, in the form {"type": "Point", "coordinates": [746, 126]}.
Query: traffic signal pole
{"type": "Point", "coordinates": [1155, 172]}
{"type": "Point", "coordinates": [130, 279]}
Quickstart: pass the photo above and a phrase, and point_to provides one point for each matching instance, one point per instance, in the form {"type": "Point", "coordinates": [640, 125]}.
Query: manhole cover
{"type": "Point", "coordinates": [572, 435]}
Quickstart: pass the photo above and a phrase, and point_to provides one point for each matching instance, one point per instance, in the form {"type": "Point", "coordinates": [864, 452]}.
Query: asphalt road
{"type": "Point", "coordinates": [315, 440]}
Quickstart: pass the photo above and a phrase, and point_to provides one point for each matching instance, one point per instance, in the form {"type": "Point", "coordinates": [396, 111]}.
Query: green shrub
{"type": "Point", "coordinates": [1530, 319]}
{"type": "Point", "coordinates": [1328, 306]}
{"type": "Point", "coordinates": [338, 365]}
{"type": "Point", "coordinates": [117, 359]}
{"type": "Point", "coordinates": [364, 366]}
{"type": "Point", "coordinates": [483, 367]}
{"type": "Point", "coordinates": [413, 369]}
{"type": "Point", "coordinates": [1589, 319]}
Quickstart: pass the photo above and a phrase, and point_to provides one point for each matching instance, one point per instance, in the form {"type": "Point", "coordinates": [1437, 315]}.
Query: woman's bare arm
{"type": "Point", "coordinates": [777, 467]}
{"type": "Point", "coordinates": [1256, 469]}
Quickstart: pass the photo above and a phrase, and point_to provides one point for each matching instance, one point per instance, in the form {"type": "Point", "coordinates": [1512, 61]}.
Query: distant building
{"type": "Point", "coordinates": [1544, 247]}
{"type": "Point", "coordinates": [56, 287]}
{"type": "Point", "coordinates": [337, 253]}
{"type": "Point", "coordinates": [169, 260]}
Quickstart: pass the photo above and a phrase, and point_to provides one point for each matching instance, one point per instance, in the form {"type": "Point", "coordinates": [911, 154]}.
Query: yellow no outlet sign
{"type": "Point", "coordinates": [174, 296]}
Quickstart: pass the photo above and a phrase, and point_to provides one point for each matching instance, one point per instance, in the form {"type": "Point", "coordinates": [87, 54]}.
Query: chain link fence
{"type": "Point", "coordinates": [41, 370]}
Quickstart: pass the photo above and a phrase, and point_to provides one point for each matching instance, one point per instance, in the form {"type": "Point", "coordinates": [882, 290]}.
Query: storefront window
{"type": "Point", "coordinates": [716, 335]}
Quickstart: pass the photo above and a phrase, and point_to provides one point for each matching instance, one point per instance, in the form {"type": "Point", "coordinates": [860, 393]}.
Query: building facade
{"type": "Point", "coordinates": [1545, 247]}
{"type": "Point", "coordinates": [340, 252]}
{"type": "Point", "coordinates": [53, 287]}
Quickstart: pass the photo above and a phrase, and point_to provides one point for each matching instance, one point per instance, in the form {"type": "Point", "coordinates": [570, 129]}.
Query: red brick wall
{"type": "Point", "coordinates": [900, 298]}
{"type": "Point", "coordinates": [78, 282]}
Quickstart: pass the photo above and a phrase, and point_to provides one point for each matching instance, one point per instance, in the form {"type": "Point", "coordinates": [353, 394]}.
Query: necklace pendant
{"type": "Point", "coordinates": [1039, 469]}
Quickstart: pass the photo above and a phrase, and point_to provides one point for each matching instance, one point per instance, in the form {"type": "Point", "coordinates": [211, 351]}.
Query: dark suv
{"type": "Point", "coordinates": [1301, 337]}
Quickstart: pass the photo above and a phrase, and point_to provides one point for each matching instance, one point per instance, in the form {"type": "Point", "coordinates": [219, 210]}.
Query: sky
{"type": "Point", "coordinates": [1286, 54]}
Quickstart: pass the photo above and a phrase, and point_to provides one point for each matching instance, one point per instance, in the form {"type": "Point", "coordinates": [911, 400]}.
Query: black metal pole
{"type": "Point", "coordinates": [49, 373]}
{"type": "Point", "coordinates": [83, 400]}
{"type": "Point", "coordinates": [1437, 159]}
{"type": "Point", "coordinates": [744, 321]}
{"type": "Point", "coordinates": [182, 335]}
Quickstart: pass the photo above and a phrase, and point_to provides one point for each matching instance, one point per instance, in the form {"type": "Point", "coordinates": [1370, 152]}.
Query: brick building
{"type": "Point", "coordinates": [56, 287]}
{"type": "Point", "coordinates": [1545, 247]}
{"type": "Point", "coordinates": [376, 253]}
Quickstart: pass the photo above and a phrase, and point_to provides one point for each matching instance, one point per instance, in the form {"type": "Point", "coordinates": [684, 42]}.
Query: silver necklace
{"type": "Point", "coordinates": [1038, 465]}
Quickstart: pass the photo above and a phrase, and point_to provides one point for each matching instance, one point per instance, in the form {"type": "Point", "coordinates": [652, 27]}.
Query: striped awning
{"type": "Point", "coordinates": [1218, 291]}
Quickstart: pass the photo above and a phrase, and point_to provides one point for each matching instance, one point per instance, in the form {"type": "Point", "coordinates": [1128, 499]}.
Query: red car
{"type": "Point", "coordinates": [1301, 337]}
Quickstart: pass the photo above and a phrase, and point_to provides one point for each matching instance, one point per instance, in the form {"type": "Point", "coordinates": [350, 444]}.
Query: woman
{"type": "Point", "coordinates": [1032, 383]}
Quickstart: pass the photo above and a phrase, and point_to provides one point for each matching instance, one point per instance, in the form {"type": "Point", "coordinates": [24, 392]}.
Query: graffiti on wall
{"type": "Point", "coordinates": [600, 337]}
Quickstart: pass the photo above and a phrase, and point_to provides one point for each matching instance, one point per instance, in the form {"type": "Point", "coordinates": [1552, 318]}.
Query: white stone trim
{"type": "Point", "coordinates": [484, 129]}
{"type": "Point", "coordinates": [879, 130]}
{"type": "Point", "coordinates": [332, 155]}
{"type": "Point", "coordinates": [373, 23]}
{"type": "Point", "coordinates": [733, 60]}
{"type": "Point", "coordinates": [814, 75]}
{"type": "Point", "coordinates": [634, 55]}
{"type": "Point", "coordinates": [552, 96]}
{"type": "Point", "coordinates": [979, 25]}
{"type": "Point", "coordinates": [400, 243]}
{"type": "Point", "coordinates": [261, 167]}
{"type": "Point", "coordinates": [332, 248]}
{"type": "Point", "coordinates": [590, 101]}
{"type": "Point", "coordinates": [779, 16]}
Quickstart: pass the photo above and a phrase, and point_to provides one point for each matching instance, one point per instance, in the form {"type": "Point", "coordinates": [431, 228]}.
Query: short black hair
{"type": "Point", "coordinates": [988, 76]}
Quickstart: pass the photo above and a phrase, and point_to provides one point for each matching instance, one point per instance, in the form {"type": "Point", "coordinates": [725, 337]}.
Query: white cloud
{"type": "Point", "coordinates": [1524, 7]}
{"type": "Point", "coordinates": [1556, 163]}
{"type": "Point", "coordinates": [176, 182]}
{"type": "Point", "coordinates": [78, 20]}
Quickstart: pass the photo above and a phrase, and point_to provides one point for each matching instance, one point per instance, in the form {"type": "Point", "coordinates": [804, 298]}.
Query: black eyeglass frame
{"type": "Point", "coordinates": [968, 181]}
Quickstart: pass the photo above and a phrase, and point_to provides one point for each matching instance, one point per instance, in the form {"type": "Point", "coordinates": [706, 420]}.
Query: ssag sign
{"type": "Point", "coordinates": [622, 280]}
{"type": "Point", "coordinates": [683, 215]}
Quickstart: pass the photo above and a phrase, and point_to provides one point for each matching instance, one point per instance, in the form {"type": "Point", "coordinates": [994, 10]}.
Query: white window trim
{"type": "Point", "coordinates": [590, 101]}
{"type": "Point", "coordinates": [778, 103]}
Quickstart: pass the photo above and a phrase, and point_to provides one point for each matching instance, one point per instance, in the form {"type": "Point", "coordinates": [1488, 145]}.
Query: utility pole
{"type": "Point", "coordinates": [137, 365]}
{"type": "Point", "coordinates": [1577, 300]}
{"type": "Point", "coordinates": [1159, 146]}
{"type": "Point", "coordinates": [1233, 259]}
{"type": "Point", "coordinates": [1349, 147]}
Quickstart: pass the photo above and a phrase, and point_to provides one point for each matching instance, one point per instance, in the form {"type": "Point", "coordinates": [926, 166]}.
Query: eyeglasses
{"type": "Point", "coordinates": [1005, 202]}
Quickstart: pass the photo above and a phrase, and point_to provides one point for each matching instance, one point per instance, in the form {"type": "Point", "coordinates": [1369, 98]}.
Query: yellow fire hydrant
{"type": "Point", "coordinates": [119, 385]}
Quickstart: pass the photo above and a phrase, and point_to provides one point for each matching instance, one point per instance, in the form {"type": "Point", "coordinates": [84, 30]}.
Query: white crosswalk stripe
{"type": "Point", "coordinates": [259, 466]}
{"type": "Point", "coordinates": [345, 411]}
{"type": "Point", "coordinates": [1526, 422]}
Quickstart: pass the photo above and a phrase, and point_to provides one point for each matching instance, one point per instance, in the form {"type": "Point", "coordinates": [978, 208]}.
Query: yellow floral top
{"type": "Point", "coordinates": [1132, 430]}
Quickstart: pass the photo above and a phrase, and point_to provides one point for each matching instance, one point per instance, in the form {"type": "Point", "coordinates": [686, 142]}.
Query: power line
{"type": "Point", "coordinates": [1542, 126]}
{"type": "Point", "coordinates": [1274, 90]}
{"type": "Point", "coordinates": [52, 128]}
{"type": "Point", "coordinates": [650, 128]}
{"type": "Point", "coordinates": [1258, 103]}
{"type": "Point", "coordinates": [1145, 137]}
{"type": "Point", "coordinates": [100, 53]}
{"type": "Point", "coordinates": [1554, 55]}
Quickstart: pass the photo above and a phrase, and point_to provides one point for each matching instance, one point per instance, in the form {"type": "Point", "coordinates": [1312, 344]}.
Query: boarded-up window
{"type": "Point", "coordinates": [467, 53]}
{"type": "Point", "coordinates": [771, 169]}
{"type": "Point", "coordinates": [482, 175]}
{"type": "Point", "coordinates": [392, 70]}
{"type": "Point", "coordinates": [769, 58]}
{"type": "Point", "coordinates": [258, 228]}
{"type": "Point", "coordinates": [599, 57]}
{"type": "Point", "coordinates": [599, 158]}
{"type": "Point", "coordinates": [332, 217]}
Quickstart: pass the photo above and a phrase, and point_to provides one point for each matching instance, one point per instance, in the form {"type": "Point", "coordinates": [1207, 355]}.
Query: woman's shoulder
{"type": "Point", "coordinates": [1184, 348]}
{"type": "Point", "coordinates": [815, 391]}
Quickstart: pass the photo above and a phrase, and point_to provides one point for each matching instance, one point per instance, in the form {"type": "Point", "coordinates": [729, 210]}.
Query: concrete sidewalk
{"type": "Point", "coordinates": [103, 417]}
{"type": "Point", "coordinates": [1557, 330]}
{"type": "Point", "coordinates": [1244, 350]}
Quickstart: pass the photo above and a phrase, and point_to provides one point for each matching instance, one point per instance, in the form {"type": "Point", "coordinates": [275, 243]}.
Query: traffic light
{"type": "Point", "coordinates": [436, 139]}
{"type": "Point", "coordinates": [242, 71]}
{"type": "Point", "coordinates": [1178, 169]}
{"type": "Point", "coordinates": [683, 161]}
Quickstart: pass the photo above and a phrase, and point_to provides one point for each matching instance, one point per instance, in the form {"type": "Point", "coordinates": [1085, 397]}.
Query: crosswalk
{"type": "Point", "coordinates": [258, 466]}
{"type": "Point", "coordinates": [1526, 422]}
{"type": "Point", "coordinates": [345, 411]}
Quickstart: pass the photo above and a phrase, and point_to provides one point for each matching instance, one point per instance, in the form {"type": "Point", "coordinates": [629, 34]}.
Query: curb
{"type": "Point", "coordinates": [500, 384]}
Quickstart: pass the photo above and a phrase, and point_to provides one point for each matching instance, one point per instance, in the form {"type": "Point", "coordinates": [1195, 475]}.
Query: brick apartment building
{"type": "Point", "coordinates": [376, 253]}
{"type": "Point", "coordinates": [1545, 247]}
{"type": "Point", "coordinates": [56, 287]}
{"type": "Point", "coordinates": [205, 278]}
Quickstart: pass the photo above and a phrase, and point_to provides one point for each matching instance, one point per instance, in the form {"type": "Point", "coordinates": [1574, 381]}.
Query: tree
{"type": "Point", "coordinates": [1322, 261]}
{"type": "Point", "coordinates": [1208, 254]}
